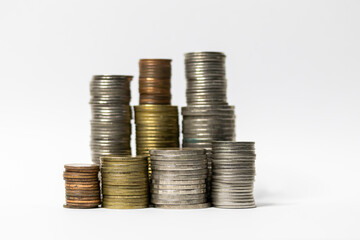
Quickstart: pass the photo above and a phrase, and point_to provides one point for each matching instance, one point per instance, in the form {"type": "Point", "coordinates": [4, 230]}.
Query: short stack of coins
{"type": "Point", "coordinates": [82, 187]}
{"type": "Point", "coordinates": [154, 81]}
{"type": "Point", "coordinates": [157, 126]}
{"type": "Point", "coordinates": [125, 182]}
{"type": "Point", "coordinates": [206, 81]}
{"type": "Point", "coordinates": [111, 115]}
{"type": "Point", "coordinates": [233, 174]}
{"type": "Point", "coordinates": [179, 178]}
{"type": "Point", "coordinates": [204, 124]}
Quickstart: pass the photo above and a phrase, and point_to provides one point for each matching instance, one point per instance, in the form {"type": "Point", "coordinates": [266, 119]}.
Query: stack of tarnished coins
{"type": "Point", "coordinates": [179, 178]}
{"type": "Point", "coordinates": [204, 124]}
{"type": "Point", "coordinates": [111, 115]}
{"type": "Point", "coordinates": [233, 174]}
{"type": "Point", "coordinates": [157, 124]}
{"type": "Point", "coordinates": [208, 117]}
{"type": "Point", "coordinates": [154, 81]}
{"type": "Point", "coordinates": [125, 182]}
{"type": "Point", "coordinates": [82, 186]}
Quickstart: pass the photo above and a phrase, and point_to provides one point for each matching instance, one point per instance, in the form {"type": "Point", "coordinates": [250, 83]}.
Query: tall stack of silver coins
{"type": "Point", "coordinates": [111, 116]}
{"type": "Point", "coordinates": [207, 117]}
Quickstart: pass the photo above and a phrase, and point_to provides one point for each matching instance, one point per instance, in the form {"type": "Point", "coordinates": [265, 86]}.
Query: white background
{"type": "Point", "coordinates": [293, 70]}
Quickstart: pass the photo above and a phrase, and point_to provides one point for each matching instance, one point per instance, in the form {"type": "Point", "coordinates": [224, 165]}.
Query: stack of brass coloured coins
{"type": "Point", "coordinates": [111, 116]}
{"type": "Point", "coordinates": [178, 178]}
{"type": "Point", "coordinates": [204, 124]}
{"type": "Point", "coordinates": [154, 81]}
{"type": "Point", "coordinates": [82, 186]}
{"type": "Point", "coordinates": [125, 182]}
{"type": "Point", "coordinates": [157, 126]}
{"type": "Point", "coordinates": [233, 174]}
{"type": "Point", "coordinates": [206, 81]}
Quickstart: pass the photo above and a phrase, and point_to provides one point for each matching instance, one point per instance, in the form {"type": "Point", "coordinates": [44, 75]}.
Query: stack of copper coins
{"type": "Point", "coordinates": [154, 81]}
{"type": "Point", "coordinates": [82, 186]}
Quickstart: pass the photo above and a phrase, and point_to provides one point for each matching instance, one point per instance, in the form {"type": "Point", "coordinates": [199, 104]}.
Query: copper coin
{"type": "Point", "coordinates": [70, 192]}
{"type": "Point", "coordinates": [83, 198]}
{"type": "Point", "coordinates": [79, 167]}
{"type": "Point", "coordinates": [81, 206]}
{"type": "Point", "coordinates": [96, 201]}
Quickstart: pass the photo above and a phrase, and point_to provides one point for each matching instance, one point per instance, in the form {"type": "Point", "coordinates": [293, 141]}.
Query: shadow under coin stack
{"type": "Point", "coordinates": [125, 182]}
{"type": "Point", "coordinates": [233, 174]}
{"type": "Point", "coordinates": [82, 187]}
{"type": "Point", "coordinates": [111, 116]}
{"type": "Point", "coordinates": [179, 178]}
{"type": "Point", "coordinates": [207, 117]}
{"type": "Point", "coordinates": [157, 124]}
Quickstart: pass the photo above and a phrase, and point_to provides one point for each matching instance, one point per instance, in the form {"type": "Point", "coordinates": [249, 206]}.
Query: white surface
{"type": "Point", "coordinates": [293, 70]}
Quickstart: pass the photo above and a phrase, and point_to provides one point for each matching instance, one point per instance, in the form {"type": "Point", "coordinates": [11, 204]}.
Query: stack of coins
{"type": "Point", "coordinates": [157, 126]}
{"type": "Point", "coordinates": [125, 182]}
{"type": "Point", "coordinates": [179, 178]}
{"type": "Point", "coordinates": [204, 124]}
{"type": "Point", "coordinates": [208, 117]}
{"type": "Point", "coordinates": [206, 82]}
{"type": "Point", "coordinates": [154, 81]}
{"type": "Point", "coordinates": [233, 174]}
{"type": "Point", "coordinates": [82, 186]}
{"type": "Point", "coordinates": [111, 115]}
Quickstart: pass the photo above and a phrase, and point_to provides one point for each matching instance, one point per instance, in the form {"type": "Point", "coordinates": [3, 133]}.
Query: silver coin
{"type": "Point", "coordinates": [178, 186]}
{"type": "Point", "coordinates": [178, 182]}
{"type": "Point", "coordinates": [172, 177]}
{"type": "Point", "coordinates": [178, 202]}
{"type": "Point", "coordinates": [177, 152]}
{"type": "Point", "coordinates": [186, 206]}
{"type": "Point", "coordinates": [178, 191]}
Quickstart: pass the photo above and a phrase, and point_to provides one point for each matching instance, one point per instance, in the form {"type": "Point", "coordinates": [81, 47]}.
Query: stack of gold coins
{"type": "Point", "coordinates": [154, 81]}
{"type": "Point", "coordinates": [125, 182]}
{"type": "Point", "coordinates": [82, 186]}
{"type": "Point", "coordinates": [157, 126]}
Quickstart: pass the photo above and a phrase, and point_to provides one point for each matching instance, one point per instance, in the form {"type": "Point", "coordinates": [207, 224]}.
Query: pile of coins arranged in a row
{"type": "Point", "coordinates": [179, 178]}
{"type": "Point", "coordinates": [125, 182]}
{"type": "Point", "coordinates": [233, 174]}
{"type": "Point", "coordinates": [82, 187]}
{"type": "Point", "coordinates": [111, 116]}
{"type": "Point", "coordinates": [154, 81]}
